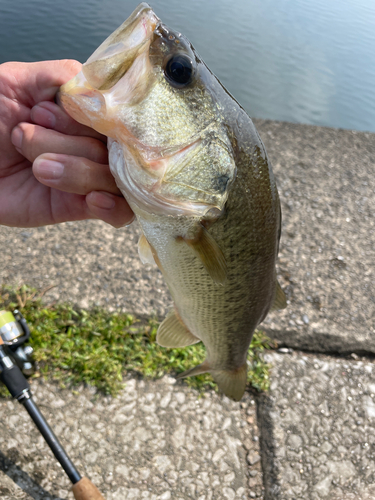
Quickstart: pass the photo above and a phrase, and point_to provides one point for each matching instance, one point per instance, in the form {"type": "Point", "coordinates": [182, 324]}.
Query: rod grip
{"type": "Point", "coordinates": [14, 380]}
{"type": "Point", "coordinates": [85, 490]}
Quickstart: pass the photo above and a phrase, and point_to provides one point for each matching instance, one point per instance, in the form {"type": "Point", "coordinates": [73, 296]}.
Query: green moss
{"type": "Point", "coordinates": [97, 347]}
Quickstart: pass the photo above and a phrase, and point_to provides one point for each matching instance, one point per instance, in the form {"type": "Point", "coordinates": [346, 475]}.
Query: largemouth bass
{"type": "Point", "coordinates": [193, 168]}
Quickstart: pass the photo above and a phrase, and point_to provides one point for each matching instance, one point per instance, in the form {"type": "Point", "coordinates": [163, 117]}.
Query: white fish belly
{"type": "Point", "coordinates": [222, 316]}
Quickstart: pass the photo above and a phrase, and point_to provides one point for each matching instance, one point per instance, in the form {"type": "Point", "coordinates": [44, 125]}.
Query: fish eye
{"type": "Point", "coordinates": [179, 70]}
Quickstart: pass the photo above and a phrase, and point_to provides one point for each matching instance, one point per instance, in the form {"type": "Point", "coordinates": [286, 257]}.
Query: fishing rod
{"type": "Point", "coordinates": [15, 363]}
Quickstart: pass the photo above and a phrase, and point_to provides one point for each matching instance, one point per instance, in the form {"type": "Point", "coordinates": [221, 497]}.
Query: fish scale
{"type": "Point", "coordinates": [194, 170]}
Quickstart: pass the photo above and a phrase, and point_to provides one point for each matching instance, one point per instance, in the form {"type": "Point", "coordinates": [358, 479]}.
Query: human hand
{"type": "Point", "coordinates": [34, 133]}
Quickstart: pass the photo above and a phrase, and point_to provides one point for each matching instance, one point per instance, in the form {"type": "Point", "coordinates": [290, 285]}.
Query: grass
{"type": "Point", "coordinates": [97, 347]}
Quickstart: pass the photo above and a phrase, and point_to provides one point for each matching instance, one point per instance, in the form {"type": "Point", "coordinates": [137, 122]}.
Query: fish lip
{"type": "Point", "coordinates": [144, 6]}
{"type": "Point", "coordinates": [116, 54]}
{"type": "Point", "coordinates": [142, 22]}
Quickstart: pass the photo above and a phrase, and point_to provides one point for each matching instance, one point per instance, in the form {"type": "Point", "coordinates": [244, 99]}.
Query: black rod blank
{"type": "Point", "coordinates": [51, 439]}
{"type": "Point", "coordinates": [16, 383]}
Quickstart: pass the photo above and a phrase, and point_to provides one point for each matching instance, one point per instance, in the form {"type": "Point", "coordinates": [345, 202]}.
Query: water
{"type": "Point", "coordinates": [306, 61]}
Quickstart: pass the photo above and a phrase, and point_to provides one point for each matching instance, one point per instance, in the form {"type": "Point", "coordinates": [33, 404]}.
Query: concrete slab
{"type": "Point", "coordinates": [327, 186]}
{"type": "Point", "coordinates": [88, 262]}
{"type": "Point", "coordinates": [318, 429]}
{"type": "Point", "coordinates": [9, 489]}
{"type": "Point", "coordinates": [158, 440]}
{"type": "Point", "coordinates": [326, 183]}
{"type": "Point", "coordinates": [327, 190]}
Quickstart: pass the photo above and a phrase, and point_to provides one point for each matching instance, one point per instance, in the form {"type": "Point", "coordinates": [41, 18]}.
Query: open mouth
{"type": "Point", "coordinates": [84, 97]}
{"type": "Point", "coordinates": [113, 58]}
{"type": "Point", "coordinates": [183, 171]}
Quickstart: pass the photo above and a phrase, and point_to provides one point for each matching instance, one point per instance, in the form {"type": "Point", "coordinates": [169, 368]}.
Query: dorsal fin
{"type": "Point", "coordinates": [279, 300]}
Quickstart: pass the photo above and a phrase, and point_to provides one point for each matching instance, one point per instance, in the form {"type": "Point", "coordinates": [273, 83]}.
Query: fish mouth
{"type": "Point", "coordinates": [84, 96]}
{"type": "Point", "coordinates": [116, 54]}
{"type": "Point", "coordinates": [118, 76]}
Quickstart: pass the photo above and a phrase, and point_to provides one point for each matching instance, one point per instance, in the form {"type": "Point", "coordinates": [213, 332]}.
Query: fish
{"type": "Point", "coordinates": [194, 170]}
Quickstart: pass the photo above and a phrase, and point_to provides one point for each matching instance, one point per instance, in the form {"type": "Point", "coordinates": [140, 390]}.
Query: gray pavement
{"type": "Point", "coordinates": [159, 440]}
{"type": "Point", "coordinates": [318, 428]}
{"type": "Point", "coordinates": [327, 188]}
{"type": "Point", "coordinates": [317, 423]}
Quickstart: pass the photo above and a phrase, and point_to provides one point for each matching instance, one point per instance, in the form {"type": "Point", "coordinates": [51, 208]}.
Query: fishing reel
{"type": "Point", "coordinates": [15, 363]}
{"type": "Point", "coordinates": [14, 333]}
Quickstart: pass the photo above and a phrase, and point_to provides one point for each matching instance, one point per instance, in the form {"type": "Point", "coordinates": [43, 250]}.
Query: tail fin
{"type": "Point", "coordinates": [231, 382]}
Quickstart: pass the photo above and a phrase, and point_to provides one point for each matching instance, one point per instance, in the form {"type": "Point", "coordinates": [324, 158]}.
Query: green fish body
{"type": "Point", "coordinates": [193, 168]}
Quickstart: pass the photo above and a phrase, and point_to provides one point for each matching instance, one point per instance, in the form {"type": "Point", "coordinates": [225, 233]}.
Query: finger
{"type": "Point", "coordinates": [74, 174]}
{"type": "Point", "coordinates": [49, 115]}
{"type": "Point", "coordinates": [42, 79]}
{"type": "Point", "coordinates": [110, 208]}
{"type": "Point", "coordinates": [50, 75]}
{"type": "Point", "coordinates": [33, 140]}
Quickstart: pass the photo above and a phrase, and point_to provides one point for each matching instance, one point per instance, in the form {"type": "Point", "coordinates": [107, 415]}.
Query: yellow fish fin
{"type": "Point", "coordinates": [144, 251]}
{"type": "Point", "coordinates": [173, 333]}
{"type": "Point", "coordinates": [279, 301]}
{"type": "Point", "coordinates": [210, 254]}
{"type": "Point", "coordinates": [197, 370]}
{"type": "Point", "coordinates": [231, 382]}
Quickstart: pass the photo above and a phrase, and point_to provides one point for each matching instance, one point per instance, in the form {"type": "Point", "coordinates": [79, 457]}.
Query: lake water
{"type": "Point", "coordinates": [307, 61]}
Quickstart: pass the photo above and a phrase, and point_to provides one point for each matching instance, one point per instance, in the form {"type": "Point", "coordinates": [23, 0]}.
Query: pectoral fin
{"type": "Point", "coordinates": [144, 251]}
{"type": "Point", "coordinates": [210, 254]}
{"type": "Point", "coordinates": [173, 333]}
{"type": "Point", "coordinates": [279, 300]}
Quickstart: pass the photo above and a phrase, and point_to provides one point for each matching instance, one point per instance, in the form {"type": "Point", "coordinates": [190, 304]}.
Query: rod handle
{"type": "Point", "coordinates": [85, 490]}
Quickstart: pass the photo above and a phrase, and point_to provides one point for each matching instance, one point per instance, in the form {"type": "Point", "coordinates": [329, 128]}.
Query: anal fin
{"type": "Point", "coordinates": [209, 253]}
{"type": "Point", "coordinates": [173, 333]}
{"type": "Point", "coordinates": [196, 370]}
{"type": "Point", "coordinates": [279, 300]}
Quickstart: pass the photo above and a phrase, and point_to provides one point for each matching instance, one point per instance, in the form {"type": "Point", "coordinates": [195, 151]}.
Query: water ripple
{"type": "Point", "coordinates": [299, 60]}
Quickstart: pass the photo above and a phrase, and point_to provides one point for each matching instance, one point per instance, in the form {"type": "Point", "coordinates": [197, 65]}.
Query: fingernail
{"type": "Point", "coordinates": [103, 200]}
{"type": "Point", "coordinates": [16, 138]}
{"type": "Point", "coordinates": [130, 221]}
{"type": "Point", "coordinates": [48, 169]}
{"type": "Point", "coordinates": [42, 116]}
